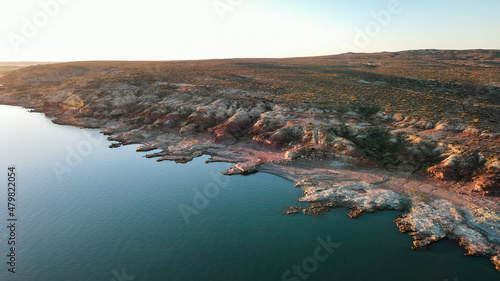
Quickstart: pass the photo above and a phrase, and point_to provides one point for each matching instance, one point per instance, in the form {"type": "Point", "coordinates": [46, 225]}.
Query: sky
{"type": "Point", "coordinates": [75, 30]}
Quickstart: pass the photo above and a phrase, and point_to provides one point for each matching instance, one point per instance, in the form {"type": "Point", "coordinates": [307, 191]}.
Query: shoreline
{"type": "Point", "coordinates": [405, 192]}
{"type": "Point", "coordinates": [365, 190]}
{"type": "Point", "coordinates": [443, 174]}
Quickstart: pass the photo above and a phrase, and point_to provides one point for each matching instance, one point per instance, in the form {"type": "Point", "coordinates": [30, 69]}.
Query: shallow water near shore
{"type": "Point", "coordinates": [87, 212]}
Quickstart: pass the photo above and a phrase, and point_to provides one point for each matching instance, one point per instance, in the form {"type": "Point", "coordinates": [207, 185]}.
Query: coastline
{"type": "Point", "coordinates": [331, 184]}
{"type": "Point", "coordinates": [361, 158]}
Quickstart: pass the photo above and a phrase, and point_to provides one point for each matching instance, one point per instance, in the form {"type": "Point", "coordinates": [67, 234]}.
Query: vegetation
{"type": "Point", "coordinates": [427, 154]}
{"type": "Point", "coordinates": [430, 85]}
{"type": "Point", "coordinates": [377, 143]}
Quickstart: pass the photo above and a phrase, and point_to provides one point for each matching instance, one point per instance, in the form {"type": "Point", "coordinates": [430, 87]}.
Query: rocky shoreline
{"type": "Point", "coordinates": [339, 158]}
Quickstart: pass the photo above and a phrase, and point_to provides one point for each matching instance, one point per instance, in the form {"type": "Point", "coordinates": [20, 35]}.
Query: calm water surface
{"type": "Point", "coordinates": [87, 212]}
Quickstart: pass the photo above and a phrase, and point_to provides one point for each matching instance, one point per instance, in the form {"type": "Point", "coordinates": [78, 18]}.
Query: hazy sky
{"type": "Point", "coordinates": [69, 30]}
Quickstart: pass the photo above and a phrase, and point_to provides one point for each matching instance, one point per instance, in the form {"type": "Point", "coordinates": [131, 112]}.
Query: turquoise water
{"type": "Point", "coordinates": [87, 212]}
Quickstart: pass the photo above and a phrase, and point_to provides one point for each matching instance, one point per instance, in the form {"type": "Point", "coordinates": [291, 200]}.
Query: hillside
{"type": "Point", "coordinates": [429, 84]}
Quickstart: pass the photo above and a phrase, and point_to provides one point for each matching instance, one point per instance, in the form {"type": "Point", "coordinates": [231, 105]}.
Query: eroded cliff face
{"type": "Point", "coordinates": [155, 114]}
{"type": "Point", "coordinates": [338, 157]}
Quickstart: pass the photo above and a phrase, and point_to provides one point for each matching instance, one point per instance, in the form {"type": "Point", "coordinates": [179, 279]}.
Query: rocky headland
{"type": "Point", "coordinates": [413, 131]}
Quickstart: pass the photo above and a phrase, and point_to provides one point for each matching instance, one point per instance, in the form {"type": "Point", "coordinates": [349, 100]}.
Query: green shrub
{"type": "Point", "coordinates": [377, 143]}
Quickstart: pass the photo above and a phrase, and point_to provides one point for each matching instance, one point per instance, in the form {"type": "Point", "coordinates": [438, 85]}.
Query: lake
{"type": "Point", "coordinates": [88, 212]}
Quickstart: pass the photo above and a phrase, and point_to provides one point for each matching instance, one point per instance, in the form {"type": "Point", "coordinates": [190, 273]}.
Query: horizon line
{"type": "Point", "coordinates": [238, 58]}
